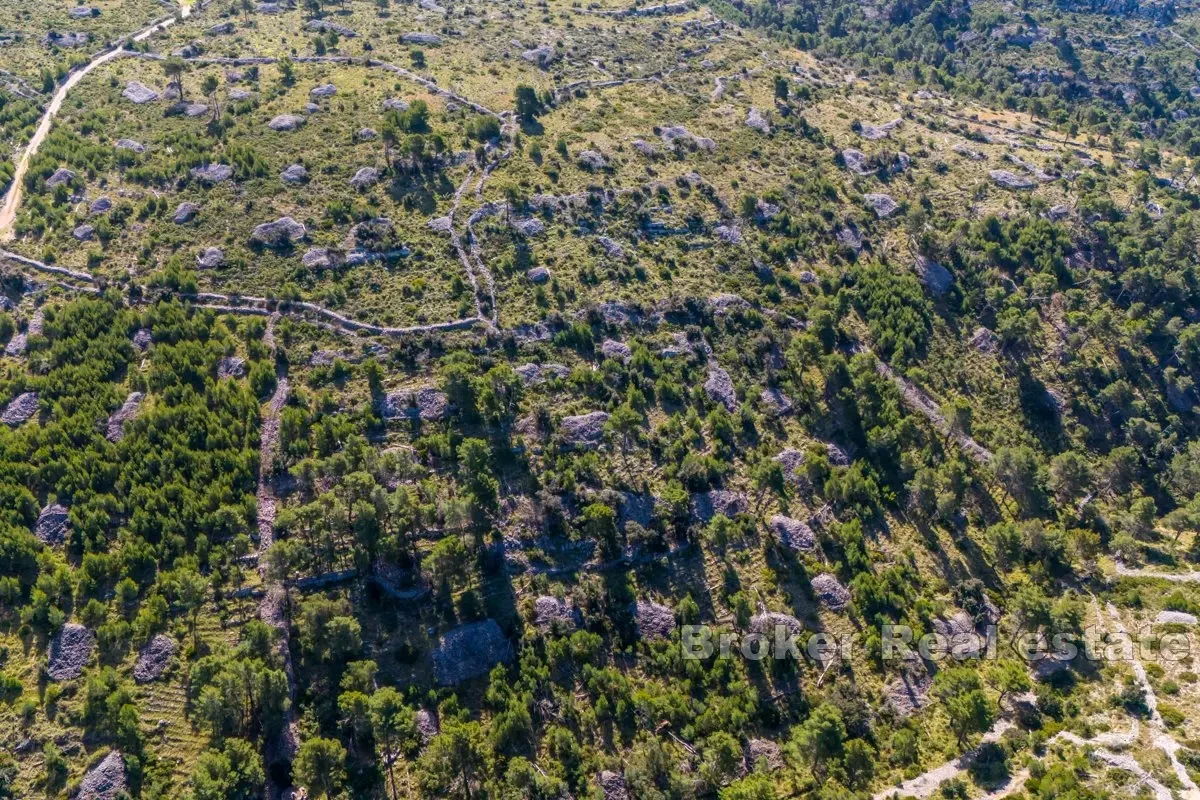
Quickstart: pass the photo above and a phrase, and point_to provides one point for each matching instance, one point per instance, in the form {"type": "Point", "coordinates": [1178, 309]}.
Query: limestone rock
{"type": "Point", "coordinates": [417, 37]}
{"type": "Point", "coordinates": [365, 177]}
{"type": "Point", "coordinates": [53, 525]}
{"type": "Point", "coordinates": [154, 658]}
{"type": "Point", "coordinates": [591, 160]}
{"type": "Point", "coordinates": [139, 93]}
{"type": "Point", "coordinates": [1009, 180]}
{"type": "Point", "coordinates": [542, 55]}
{"type": "Point", "coordinates": [325, 26]}
{"type": "Point", "coordinates": [677, 136]}
{"type": "Point", "coordinates": [16, 345]}
{"type": "Point", "coordinates": [830, 592]}
{"type": "Point", "coordinates": [105, 781]}
{"type": "Point", "coordinates": [62, 175]}
{"type": "Point", "coordinates": [584, 430]}
{"type": "Point", "coordinates": [611, 348]}
{"type": "Point", "coordinates": [653, 621]}
{"type": "Point", "coordinates": [985, 341]}
{"type": "Point", "coordinates": [470, 651]}
{"type": "Point", "coordinates": [70, 650]}
{"type": "Point", "coordinates": [285, 122]}
{"type": "Point", "coordinates": [967, 152]}
{"type": "Point", "coordinates": [882, 204]}
{"type": "Point", "coordinates": [776, 402]}
{"type": "Point", "coordinates": [719, 501]}
{"type": "Point", "coordinates": [212, 174]}
{"type": "Point", "coordinates": [283, 231]}
{"type": "Point", "coordinates": [115, 429]}
{"type": "Point", "coordinates": [185, 213]}
{"type": "Point", "coordinates": [756, 120]}
{"type": "Point", "coordinates": [553, 613]}
{"type": "Point", "coordinates": [793, 533]}
{"type": "Point", "coordinates": [719, 388]}
{"type": "Point", "coordinates": [611, 247]}
{"type": "Point", "coordinates": [612, 785]}
{"type": "Point", "coordinates": [20, 409]}
{"type": "Point", "coordinates": [937, 279]}
{"type": "Point", "coordinates": [425, 404]}
{"type": "Point", "coordinates": [533, 374]}
{"type": "Point", "coordinates": [876, 132]}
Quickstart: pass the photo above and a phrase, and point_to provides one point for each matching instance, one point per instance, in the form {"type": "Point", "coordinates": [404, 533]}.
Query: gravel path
{"type": "Point", "coordinates": [273, 608]}
{"type": "Point", "coordinates": [1162, 740]}
{"type": "Point", "coordinates": [1178, 577]}
{"type": "Point", "coordinates": [12, 201]}
{"type": "Point", "coordinates": [926, 784]}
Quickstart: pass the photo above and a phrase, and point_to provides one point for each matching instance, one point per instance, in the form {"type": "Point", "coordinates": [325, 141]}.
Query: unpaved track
{"type": "Point", "coordinates": [1162, 740]}
{"type": "Point", "coordinates": [273, 609]}
{"type": "Point", "coordinates": [12, 201]}
{"type": "Point", "coordinates": [926, 784]}
{"type": "Point", "coordinates": [1177, 577]}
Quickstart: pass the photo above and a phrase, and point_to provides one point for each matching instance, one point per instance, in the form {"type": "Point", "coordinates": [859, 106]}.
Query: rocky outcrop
{"type": "Point", "coordinates": [533, 374]}
{"type": "Point", "coordinates": [20, 409]}
{"type": "Point", "coordinates": [470, 651]}
{"type": "Point", "coordinates": [610, 348]}
{"type": "Point", "coordinates": [105, 781]}
{"type": "Point", "coordinates": [212, 174]}
{"type": "Point", "coordinates": [115, 429]}
{"type": "Point", "coordinates": [727, 503]}
{"type": "Point", "coordinates": [830, 592]}
{"type": "Point", "coordinates": [139, 93]}
{"type": "Point", "coordinates": [1008, 180]}
{"type": "Point", "coordinates": [425, 404]}
{"type": "Point", "coordinates": [365, 177]}
{"type": "Point", "coordinates": [653, 621]}
{"type": "Point", "coordinates": [61, 176]}
{"type": "Point", "coordinates": [551, 613]}
{"type": "Point", "coordinates": [185, 213]}
{"type": "Point", "coordinates": [210, 258]}
{"type": "Point", "coordinates": [70, 650]}
{"type": "Point", "coordinates": [154, 658]}
{"type": "Point", "coordinates": [719, 388]}
{"type": "Point", "coordinates": [296, 173]}
{"type": "Point", "coordinates": [285, 122]}
{"type": "Point", "coordinates": [793, 533]}
{"type": "Point", "coordinates": [756, 120]}
{"type": "Point", "coordinates": [937, 279]}
{"type": "Point", "coordinates": [882, 204]}
{"type": "Point", "coordinates": [585, 430]}
{"type": "Point", "coordinates": [53, 525]}
{"type": "Point", "coordinates": [591, 160]}
{"type": "Point", "coordinates": [417, 37]}
{"type": "Point", "coordinates": [325, 26]}
{"type": "Point", "coordinates": [882, 131]}
{"type": "Point", "coordinates": [280, 233]}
